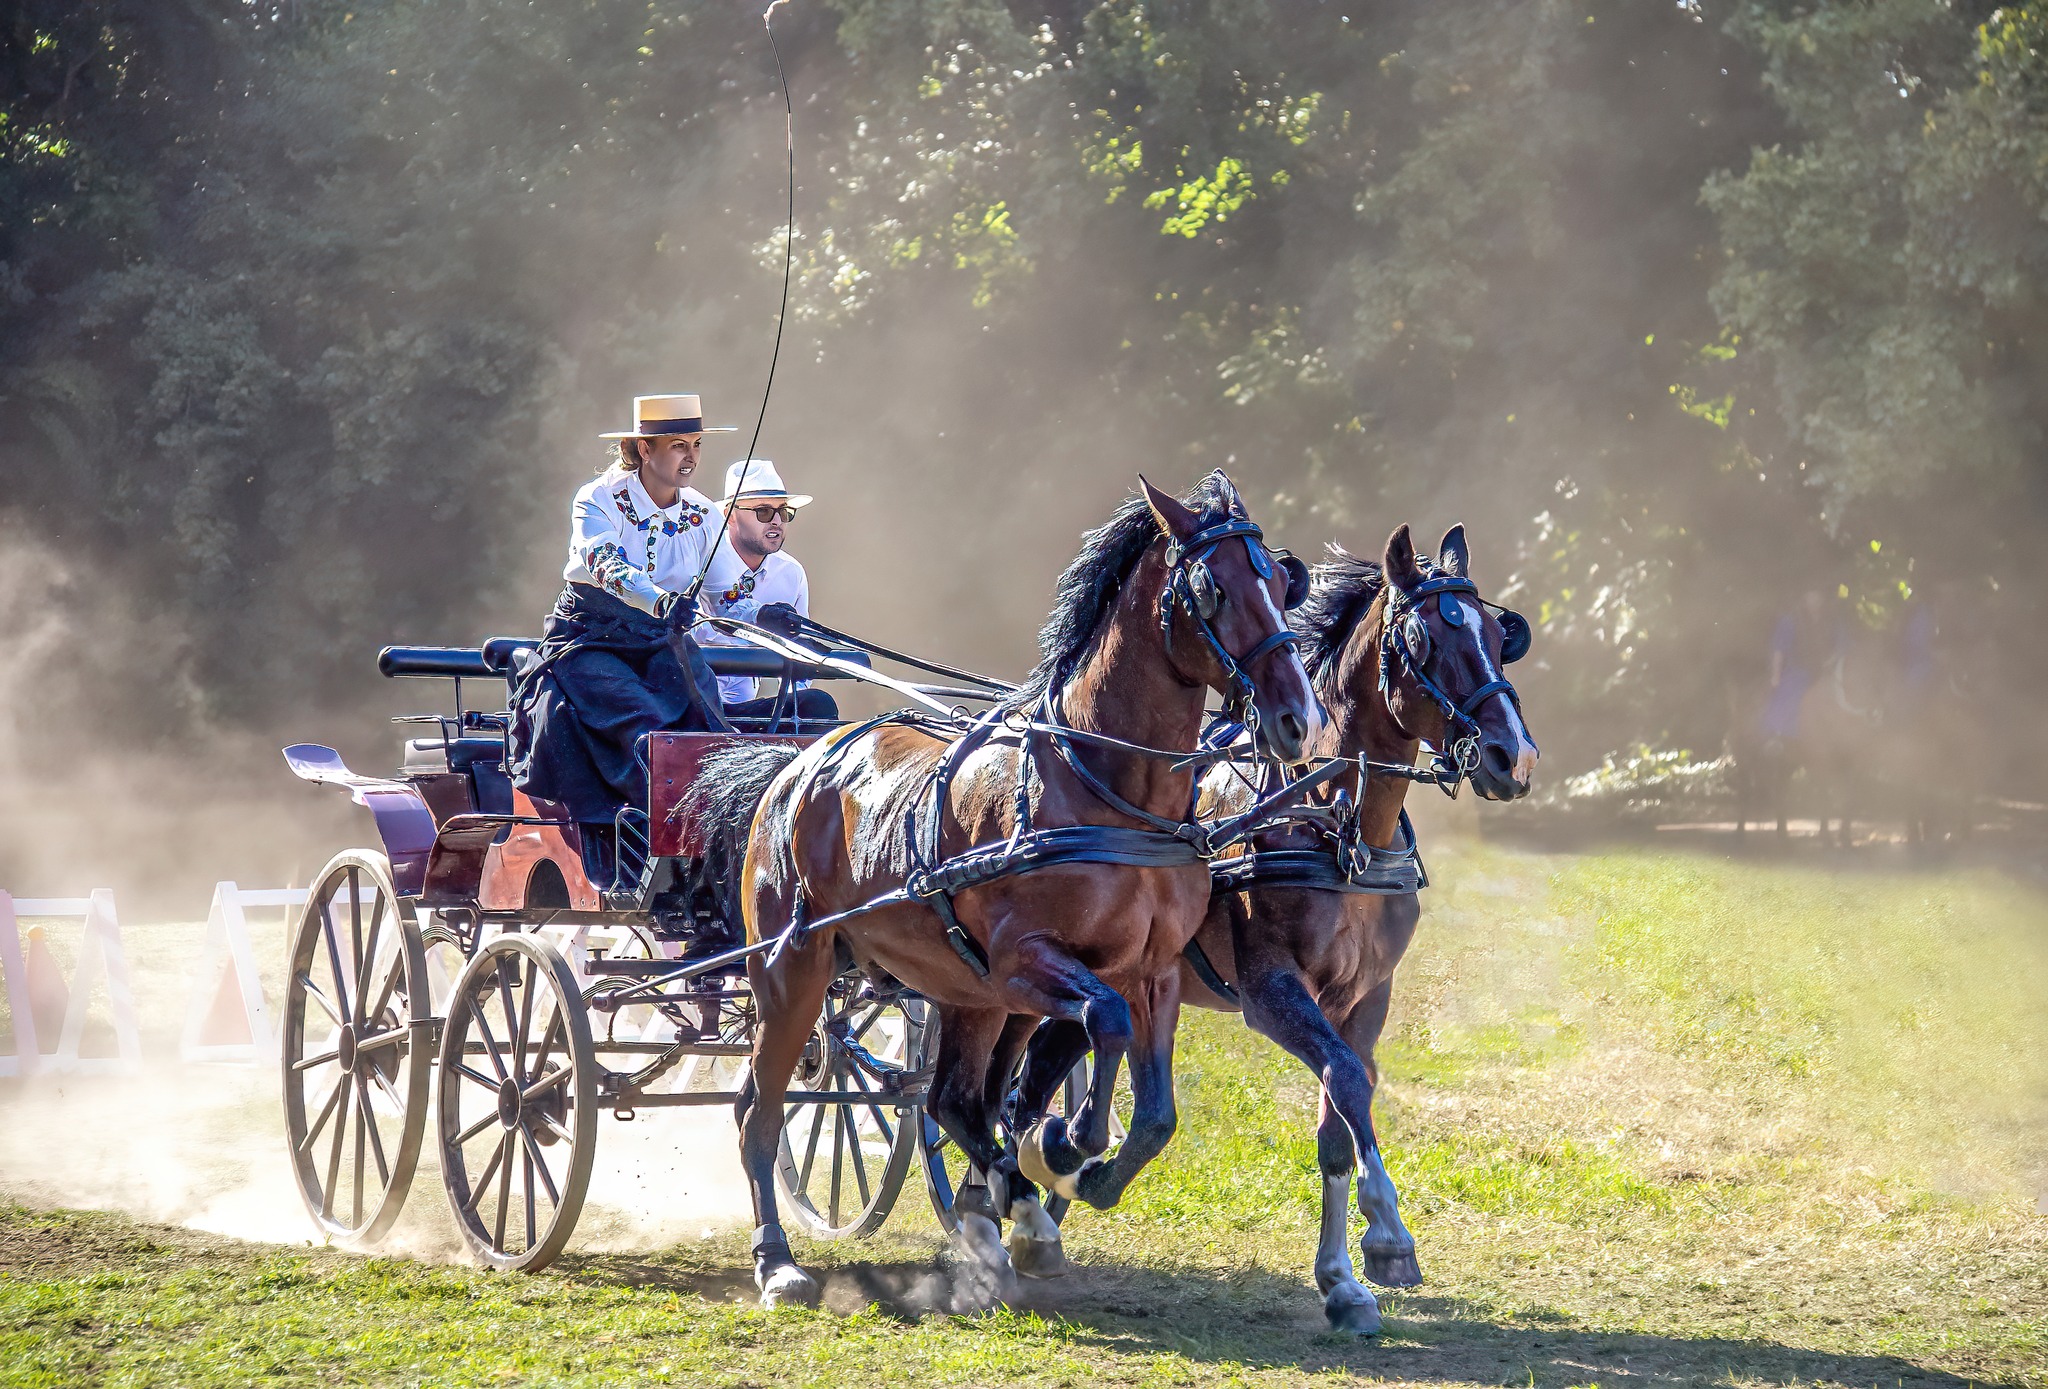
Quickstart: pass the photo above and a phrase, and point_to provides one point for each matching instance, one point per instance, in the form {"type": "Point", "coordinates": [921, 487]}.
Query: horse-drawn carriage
{"type": "Point", "coordinates": [1261, 864]}
{"type": "Point", "coordinates": [499, 976]}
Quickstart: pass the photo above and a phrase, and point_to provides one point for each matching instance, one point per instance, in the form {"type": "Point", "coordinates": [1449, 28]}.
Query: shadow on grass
{"type": "Point", "coordinates": [1258, 1319]}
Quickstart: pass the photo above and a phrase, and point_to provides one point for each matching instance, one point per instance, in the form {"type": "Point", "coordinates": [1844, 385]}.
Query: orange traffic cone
{"type": "Point", "coordinates": [49, 998]}
{"type": "Point", "coordinates": [227, 1021]}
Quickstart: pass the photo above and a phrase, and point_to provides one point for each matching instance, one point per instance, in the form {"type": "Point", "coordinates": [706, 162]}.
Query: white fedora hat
{"type": "Point", "coordinates": [755, 479]}
{"type": "Point", "coordinates": [656, 415]}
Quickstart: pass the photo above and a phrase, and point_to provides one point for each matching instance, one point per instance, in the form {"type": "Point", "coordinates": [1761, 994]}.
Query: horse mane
{"type": "Point", "coordinates": [1088, 587]}
{"type": "Point", "coordinates": [1341, 588]}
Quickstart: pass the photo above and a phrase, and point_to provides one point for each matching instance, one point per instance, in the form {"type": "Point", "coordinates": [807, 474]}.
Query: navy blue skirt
{"type": "Point", "coordinates": [604, 677]}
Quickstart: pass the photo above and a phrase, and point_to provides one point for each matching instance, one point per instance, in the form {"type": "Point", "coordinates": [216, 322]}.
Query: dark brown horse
{"type": "Point", "coordinates": [1312, 967]}
{"type": "Point", "coordinates": [1153, 613]}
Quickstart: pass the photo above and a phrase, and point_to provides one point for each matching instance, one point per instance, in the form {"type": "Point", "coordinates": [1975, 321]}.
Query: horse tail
{"type": "Point", "coordinates": [721, 802]}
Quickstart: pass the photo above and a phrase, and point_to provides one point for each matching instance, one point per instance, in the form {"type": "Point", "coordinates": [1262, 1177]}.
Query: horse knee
{"type": "Point", "coordinates": [1108, 1020]}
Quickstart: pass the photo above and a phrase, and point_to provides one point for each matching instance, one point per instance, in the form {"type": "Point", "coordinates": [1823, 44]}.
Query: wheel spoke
{"type": "Point", "coordinates": [389, 986]}
{"type": "Point", "coordinates": [355, 931]}
{"type": "Point", "coordinates": [520, 1036]}
{"type": "Point", "coordinates": [326, 1109]}
{"type": "Point", "coordinates": [483, 1026]}
{"type": "Point", "coordinates": [362, 1112]}
{"type": "Point", "coordinates": [369, 958]}
{"type": "Point", "coordinates": [552, 1080]}
{"type": "Point", "coordinates": [305, 981]}
{"type": "Point", "coordinates": [504, 1194]}
{"type": "Point", "coordinates": [328, 933]}
{"type": "Point", "coordinates": [539, 1158]}
{"type": "Point", "coordinates": [547, 1037]}
{"type": "Point", "coordinates": [838, 1148]}
{"type": "Point", "coordinates": [526, 1172]}
{"type": "Point", "coordinates": [483, 1181]}
{"type": "Point", "coordinates": [861, 1084]}
{"type": "Point", "coordinates": [468, 1072]}
{"type": "Point", "coordinates": [322, 1059]}
{"type": "Point", "coordinates": [554, 1126]}
{"type": "Point", "coordinates": [490, 1118]}
{"type": "Point", "coordinates": [334, 1156]}
{"type": "Point", "coordinates": [376, 1138]}
{"type": "Point", "coordinates": [379, 1039]}
{"type": "Point", "coordinates": [860, 1164]}
{"type": "Point", "coordinates": [803, 1180]}
{"type": "Point", "coordinates": [513, 1044]}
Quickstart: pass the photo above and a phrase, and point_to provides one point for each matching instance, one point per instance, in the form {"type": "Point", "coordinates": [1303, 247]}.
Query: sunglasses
{"type": "Point", "coordinates": [765, 514]}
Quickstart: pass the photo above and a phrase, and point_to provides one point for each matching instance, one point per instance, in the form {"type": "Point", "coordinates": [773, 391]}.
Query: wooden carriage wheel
{"type": "Point", "coordinates": [842, 1164]}
{"type": "Point", "coordinates": [517, 1108]}
{"type": "Point", "coordinates": [355, 1049]}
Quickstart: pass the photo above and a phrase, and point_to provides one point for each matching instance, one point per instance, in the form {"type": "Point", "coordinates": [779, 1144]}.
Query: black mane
{"type": "Point", "coordinates": [1087, 588]}
{"type": "Point", "coordinates": [1341, 588]}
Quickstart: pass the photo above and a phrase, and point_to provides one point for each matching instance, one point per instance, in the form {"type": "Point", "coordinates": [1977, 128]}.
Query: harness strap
{"type": "Point", "coordinates": [1205, 970]}
{"type": "Point", "coordinates": [1376, 872]}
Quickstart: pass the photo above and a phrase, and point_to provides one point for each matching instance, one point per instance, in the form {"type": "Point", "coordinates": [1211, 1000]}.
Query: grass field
{"type": "Point", "coordinates": [1656, 1119]}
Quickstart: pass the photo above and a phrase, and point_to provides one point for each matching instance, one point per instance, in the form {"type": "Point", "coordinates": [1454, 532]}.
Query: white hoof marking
{"type": "Point", "coordinates": [789, 1286]}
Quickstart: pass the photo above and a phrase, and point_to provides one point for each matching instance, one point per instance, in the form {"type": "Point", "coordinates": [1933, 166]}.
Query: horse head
{"type": "Point", "coordinates": [1440, 654]}
{"type": "Point", "coordinates": [1222, 614]}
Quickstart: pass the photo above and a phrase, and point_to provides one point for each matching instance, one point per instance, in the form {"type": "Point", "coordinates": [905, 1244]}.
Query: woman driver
{"type": "Point", "coordinates": [617, 662]}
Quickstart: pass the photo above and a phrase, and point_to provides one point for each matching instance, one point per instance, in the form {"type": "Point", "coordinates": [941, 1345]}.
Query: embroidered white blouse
{"type": "Point", "coordinates": [733, 590]}
{"type": "Point", "coordinates": [621, 542]}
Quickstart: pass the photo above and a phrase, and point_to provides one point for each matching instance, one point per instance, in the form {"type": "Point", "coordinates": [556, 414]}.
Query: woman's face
{"type": "Point", "coordinates": [669, 460]}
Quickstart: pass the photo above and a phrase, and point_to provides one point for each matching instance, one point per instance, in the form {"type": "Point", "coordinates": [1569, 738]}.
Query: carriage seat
{"type": "Point", "coordinates": [452, 755]}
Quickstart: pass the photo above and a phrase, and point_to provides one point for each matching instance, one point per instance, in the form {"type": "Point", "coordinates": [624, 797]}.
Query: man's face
{"type": "Point", "coordinates": [670, 459]}
{"type": "Point", "coordinates": [752, 534]}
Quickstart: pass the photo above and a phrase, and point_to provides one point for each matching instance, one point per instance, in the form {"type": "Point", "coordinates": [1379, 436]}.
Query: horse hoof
{"type": "Point", "coordinates": [1390, 1268]}
{"type": "Point", "coordinates": [1352, 1308]}
{"type": "Point", "coordinates": [1039, 1258]}
{"type": "Point", "coordinates": [1046, 1157]}
{"type": "Point", "coordinates": [788, 1286]}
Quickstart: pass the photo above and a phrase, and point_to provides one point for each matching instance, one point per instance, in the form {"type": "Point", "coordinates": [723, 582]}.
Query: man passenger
{"type": "Point", "coordinates": [751, 574]}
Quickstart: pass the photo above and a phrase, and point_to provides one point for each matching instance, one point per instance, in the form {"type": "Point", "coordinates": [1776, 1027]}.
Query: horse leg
{"type": "Point", "coordinates": [1045, 1152]}
{"type": "Point", "coordinates": [1386, 1247]}
{"type": "Point", "coordinates": [1277, 1003]}
{"type": "Point", "coordinates": [787, 1001]}
{"type": "Point", "coordinates": [1035, 1247]}
{"type": "Point", "coordinates": [1153, 1117]}
{"type": "Point", "coordinates": [968, 1038]}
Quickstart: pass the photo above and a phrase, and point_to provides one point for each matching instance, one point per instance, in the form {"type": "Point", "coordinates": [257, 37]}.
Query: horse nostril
{"type": "Point", "coordinates": [1499, 761]}
{"type": "Point", "coordinates": [1293, 728]}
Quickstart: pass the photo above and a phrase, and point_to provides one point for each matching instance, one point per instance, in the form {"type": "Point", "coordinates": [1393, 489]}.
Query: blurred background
{"type": "Point", "coordinates": [1719, 325]}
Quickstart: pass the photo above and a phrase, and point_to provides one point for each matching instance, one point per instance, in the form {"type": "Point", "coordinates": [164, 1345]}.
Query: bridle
{"type": "Point", "coordinates": [1192, 588]}
{"type": "Point", "coordinates": [1404, 637]}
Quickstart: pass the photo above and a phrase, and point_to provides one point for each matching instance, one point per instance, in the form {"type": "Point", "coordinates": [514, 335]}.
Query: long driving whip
{"type": "Point", "coordinates": [696, 587]}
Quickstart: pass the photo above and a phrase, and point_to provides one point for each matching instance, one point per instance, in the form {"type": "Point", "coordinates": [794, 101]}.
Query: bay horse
{"type": "Point", "coordinates": [1165, 602]}
{"type": "Point", "coordinates": [1298, 947]}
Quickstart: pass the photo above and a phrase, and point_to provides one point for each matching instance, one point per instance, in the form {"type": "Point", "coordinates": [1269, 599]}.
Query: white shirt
{"type": "Point", "coordinates": [621, 542]}
{"type": "Point", "coordinates": [733, 590]}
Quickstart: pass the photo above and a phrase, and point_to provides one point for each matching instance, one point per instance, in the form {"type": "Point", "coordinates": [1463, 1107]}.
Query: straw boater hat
{"type": "Point", "coordinates": [755, 480]}
{"type": "Point", "coordinates": [656, 415]}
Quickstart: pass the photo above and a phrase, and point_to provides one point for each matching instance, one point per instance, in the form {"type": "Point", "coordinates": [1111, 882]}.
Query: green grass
{"type": "Point", "coordinates": [1655, 1119]}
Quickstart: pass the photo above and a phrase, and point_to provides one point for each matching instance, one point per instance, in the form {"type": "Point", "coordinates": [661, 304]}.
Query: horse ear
{"type": "Point", "coordinates": [1399, 562]}
{"type": "Point", "coordinates": [1452, 554]}
{"type": "Point", "coordinates": [1176, 520]}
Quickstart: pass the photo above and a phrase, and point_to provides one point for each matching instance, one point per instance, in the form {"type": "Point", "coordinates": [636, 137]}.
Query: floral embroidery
{"type": "Point", "coordinates": [743, 589]}
{"type": "Point", "coordinates": [609, 565]}
{"type": "Point", "coordinates": [624, 497]}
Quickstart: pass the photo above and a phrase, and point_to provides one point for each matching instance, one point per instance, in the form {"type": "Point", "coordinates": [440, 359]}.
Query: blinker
{"type": "Point", "coordinates": [1297, 573]}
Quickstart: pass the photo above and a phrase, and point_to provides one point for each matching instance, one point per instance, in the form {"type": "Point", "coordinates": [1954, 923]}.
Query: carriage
{"type": "Point", "coordinates": [496, 977]}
